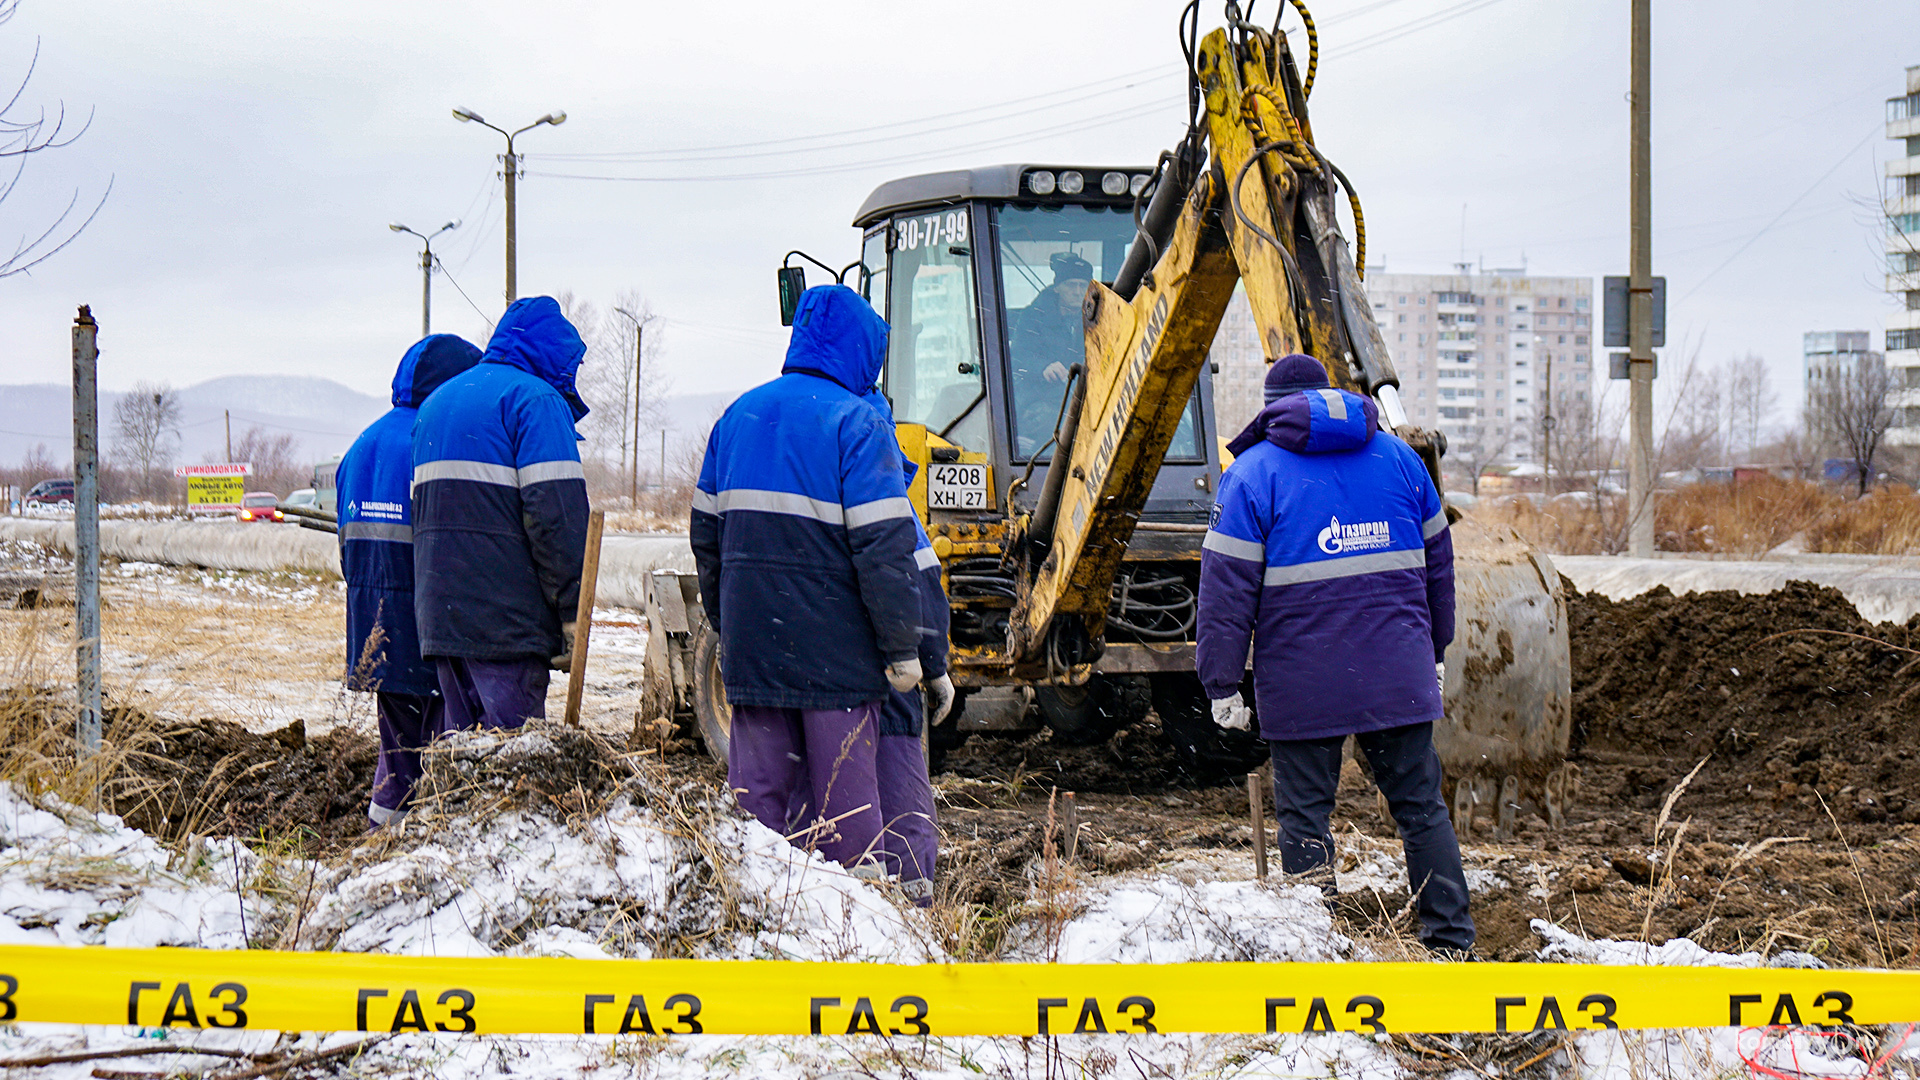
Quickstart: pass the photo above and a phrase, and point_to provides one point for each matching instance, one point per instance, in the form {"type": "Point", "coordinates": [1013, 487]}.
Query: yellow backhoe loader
{"type": "Point", "coordinates": [1048, 371]}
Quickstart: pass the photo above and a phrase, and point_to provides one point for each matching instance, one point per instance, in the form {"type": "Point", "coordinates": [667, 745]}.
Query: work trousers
{"type": "Point", "coordinates": [407, 723]}
{"type": "Point", "coordinates": [491, 693]}
{"type": "Point", "coordinates": [812, 772]}
{"type": "Point", "coordinates": [911, 841]}
{"type": "Point", "coordinates": [1306, 775]}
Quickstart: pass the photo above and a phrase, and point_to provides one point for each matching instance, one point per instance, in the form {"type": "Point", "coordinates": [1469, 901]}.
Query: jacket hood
{"type": "Point", "coordinates": [837, 336]}
{"type": "Point", "coordinates": [535, 337]}
{"type": "Point", "coordinates": [432, 361]}
{"type": "Point", "coordinates": [1312, 422]}
{"type": "Point", "coordinates": [885, 408]}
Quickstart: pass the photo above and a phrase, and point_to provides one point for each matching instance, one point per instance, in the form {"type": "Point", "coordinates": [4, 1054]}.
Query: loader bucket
{"type": "Point", "coordinates": [1509, 685]}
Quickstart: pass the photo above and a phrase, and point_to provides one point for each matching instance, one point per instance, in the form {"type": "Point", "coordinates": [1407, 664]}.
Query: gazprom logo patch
{"type": "Point", "coordinates": [1338, 539]}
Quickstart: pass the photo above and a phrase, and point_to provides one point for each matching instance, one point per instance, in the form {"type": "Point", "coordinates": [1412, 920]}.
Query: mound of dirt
{"type": "Point", "coordinates": [1790, 693]}
{"type": "Point", "coordinates": [216, 777]}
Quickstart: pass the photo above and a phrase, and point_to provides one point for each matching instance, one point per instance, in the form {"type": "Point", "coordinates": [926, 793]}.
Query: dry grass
{"type": "Point", "coordinates": [1747, 519]}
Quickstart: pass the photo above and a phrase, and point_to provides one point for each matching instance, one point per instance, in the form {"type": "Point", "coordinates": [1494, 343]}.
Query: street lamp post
{"type": "Point", "coordinates": [633, 462]}
{"type": "Point", "coordinates": [511, 175]}
{"type": "Point", "coordinates": [426, 270]}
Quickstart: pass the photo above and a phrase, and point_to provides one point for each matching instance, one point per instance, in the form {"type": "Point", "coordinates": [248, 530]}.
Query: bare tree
{"type": "Point", "coordinates": [146, 425]}
{"type": "Point", "coordinates": [1848, 409]}
{"type": "Point", "coordinates": [276, 461]}
{"type": "Point", "coordinates": [1470, 457]}
{"type": "Point", "coordinates": [607, 381]}
{"type": "Point", "coordinates": [22, 137]}
{"type": "Point", "coordinates": [1750, 400]}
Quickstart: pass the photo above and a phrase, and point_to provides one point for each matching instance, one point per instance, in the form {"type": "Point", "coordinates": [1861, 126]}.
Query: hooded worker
{"type": "Point", "coordinates": [500, 519]}
{"type": "Point", "coordinates": [376, 559]}
{"type": "Point", "coordinates": [911, 840]}
{"type": "Point", "coordinates": [804, 541]}
{"type": "Point", "coordinates": [1329, 549]}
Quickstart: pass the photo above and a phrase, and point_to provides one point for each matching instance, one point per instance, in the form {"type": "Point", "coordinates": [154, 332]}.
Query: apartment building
{"type": "Point", "coordinates": [1903, 261]}
{"type": "Point", "coordinates": [1475, 351]}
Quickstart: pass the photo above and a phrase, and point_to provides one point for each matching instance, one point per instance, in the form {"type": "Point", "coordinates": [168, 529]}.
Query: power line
{"type": "Point", "coordinates": [761, 148]}
{"type": "Point", "coordinates": [462, 292]}
{"type": "Point", "coordinates": [1412, 26]}
{"type": "Point", "coordinates": [1132, 113]}
{"type": "Point", "coordinates": [1755, 238]}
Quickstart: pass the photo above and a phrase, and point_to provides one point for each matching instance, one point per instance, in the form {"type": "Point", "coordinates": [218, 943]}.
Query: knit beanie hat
{"type": "Point", "coordinates": [1293, 373]}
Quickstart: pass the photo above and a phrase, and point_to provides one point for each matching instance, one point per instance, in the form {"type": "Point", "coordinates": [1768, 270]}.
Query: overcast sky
{"type": "Point", "coordinates": [257, 151]}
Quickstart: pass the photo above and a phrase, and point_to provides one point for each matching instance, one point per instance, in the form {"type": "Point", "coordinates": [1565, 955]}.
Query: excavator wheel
{"type": "Point", "coordinates": [1208, 752]}
{"type": "Point", "coordinates": [711, 713]}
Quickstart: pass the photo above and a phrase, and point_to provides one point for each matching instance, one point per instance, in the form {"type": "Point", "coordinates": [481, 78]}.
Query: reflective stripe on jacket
{"type": "Point", "coordinates": [801, 528]}
{"type": "Point", "coordinates": [376, 527]}
{"type": "Point", "coordinates": [1329, 550]}
{"type": "Point", "coordinates": [499, 497]}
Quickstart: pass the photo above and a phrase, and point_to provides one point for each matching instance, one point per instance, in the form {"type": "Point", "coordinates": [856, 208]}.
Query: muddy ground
{"type": "Point", "coordinates": [1801, 830]}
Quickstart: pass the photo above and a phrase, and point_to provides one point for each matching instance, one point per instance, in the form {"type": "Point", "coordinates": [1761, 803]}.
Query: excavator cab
{"type": "Point", "coordinates": [981, 273]}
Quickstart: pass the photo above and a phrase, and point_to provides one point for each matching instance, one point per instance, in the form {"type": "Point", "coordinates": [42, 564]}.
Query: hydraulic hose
{"type": "Point", "coordinates": [1047, 510]}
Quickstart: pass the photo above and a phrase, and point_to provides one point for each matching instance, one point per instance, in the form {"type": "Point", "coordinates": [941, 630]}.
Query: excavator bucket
{"type": "Point", "coordinates": [1509, 685]}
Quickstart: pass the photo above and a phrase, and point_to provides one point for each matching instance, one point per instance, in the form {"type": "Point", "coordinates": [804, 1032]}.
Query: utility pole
{"type": "Point", "coordinates": [86, 526]}
{"type": "Point", "coordinates": [228, 413]}
{"type": "Point", "coordinates": [663, 459]}
{"type": "Point", "coordinates": [1640, 298]}
{"type": "Point", "coordinates": [633, 478]}
{"type": "Point", "coordinates": [426, 270]}
{"type": "Point", "coordinates": [633, 438]}
{"type": "Point", "coordinates": [511, 175]}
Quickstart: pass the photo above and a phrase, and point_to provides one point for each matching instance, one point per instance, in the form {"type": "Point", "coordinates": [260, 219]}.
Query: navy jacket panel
{"type": "Point", "coordinates": [376, 528]}
{"type": "Point", "coordinates": [1329, 552]}
{"type": "Point", "coordinates": [801, 529]}
{"type": "Point", "coordinates": [500, 499]}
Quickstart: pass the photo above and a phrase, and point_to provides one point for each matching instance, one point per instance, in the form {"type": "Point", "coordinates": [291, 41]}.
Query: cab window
{"type": "Point", "coordinates": [934, 375]}
{"type": "Point", "coordinates": [1047, 256]}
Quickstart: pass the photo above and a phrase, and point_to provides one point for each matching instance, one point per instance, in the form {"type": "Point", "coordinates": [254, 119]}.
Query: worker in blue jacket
{"type": "Point", "coordinates": [500, 519]}
{"type": "Point", "coordinates": [1329, 551]}
{"type": "Point", "coordinates": [911, 841]}
{"type": "Point", "coordinates": [376, 559]}
{"type": "Point", "coordinates": [804, 540]}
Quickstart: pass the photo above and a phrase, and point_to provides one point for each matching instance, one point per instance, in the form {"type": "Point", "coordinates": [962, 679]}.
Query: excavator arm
{"type": "Point", "coordinates": [1246, 197]}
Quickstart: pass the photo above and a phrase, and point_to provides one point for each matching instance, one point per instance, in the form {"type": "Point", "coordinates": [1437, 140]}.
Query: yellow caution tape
{"type": "Point", "coordinates": [360, 992]}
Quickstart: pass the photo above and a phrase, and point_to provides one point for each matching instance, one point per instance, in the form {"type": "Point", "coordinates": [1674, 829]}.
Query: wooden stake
{"type": "Point", "coordinates": [1257, 811]}
{"type": "Point", "coordinates": [583, 619]}
{"type": "Point", "coordinates": [1073, 827]}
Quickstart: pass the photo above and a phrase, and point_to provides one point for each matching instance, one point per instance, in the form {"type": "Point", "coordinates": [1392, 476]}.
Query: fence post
{"type": "Point", "coordinates": [86, 524]}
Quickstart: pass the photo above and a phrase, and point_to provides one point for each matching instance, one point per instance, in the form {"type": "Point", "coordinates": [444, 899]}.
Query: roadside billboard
{"type": "Point", "coordinates": [215, 488]}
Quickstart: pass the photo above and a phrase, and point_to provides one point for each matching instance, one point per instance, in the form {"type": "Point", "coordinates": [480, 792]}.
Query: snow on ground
{"type": "Point", "coordinates": [528, 881]}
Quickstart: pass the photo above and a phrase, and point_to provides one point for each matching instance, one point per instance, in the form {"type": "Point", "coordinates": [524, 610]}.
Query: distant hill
{"type": "Point", "coordinates": [325, 416]}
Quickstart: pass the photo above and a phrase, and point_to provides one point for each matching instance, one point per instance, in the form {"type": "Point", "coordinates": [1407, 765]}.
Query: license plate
{"type": "Point", "coordinates": [957, 487]}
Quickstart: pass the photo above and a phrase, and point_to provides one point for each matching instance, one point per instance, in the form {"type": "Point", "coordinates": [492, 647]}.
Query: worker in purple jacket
{"type": "Point", "coordinates": [1329, 551]}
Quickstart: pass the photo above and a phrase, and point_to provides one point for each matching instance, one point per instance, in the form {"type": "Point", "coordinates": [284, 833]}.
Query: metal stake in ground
{"type": "Point", "coordinates": [86, 524]}
{"type": "Point", "coordinates": [583, 621]}
{"type": "Point", "coordinates": [1257, 811]}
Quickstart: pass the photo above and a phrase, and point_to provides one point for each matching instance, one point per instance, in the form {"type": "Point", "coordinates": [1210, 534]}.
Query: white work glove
{"type": "Point", "coordinates": [939, 699]}
{"type": "Point", "coordinates": [564, 662]}
{"type": "Point", "coordinates": [904, 675]}
{"type": "Point", "coordinates": [1232, 714]}
{"type": "Point", "coordinates": [1440, 673]}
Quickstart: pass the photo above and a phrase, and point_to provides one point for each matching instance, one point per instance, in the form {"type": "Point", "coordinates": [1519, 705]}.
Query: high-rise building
{"type": "Point", "coordinates": [1903, 262]}
{"type": "Point", "coordinates": [1474, 352]}
{"type": "Point", "coordinates": [1836, 355]}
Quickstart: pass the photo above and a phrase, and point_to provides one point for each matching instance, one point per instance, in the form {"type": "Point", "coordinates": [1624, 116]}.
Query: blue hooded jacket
{"type": "Point", "coordinates": [801, 529]}
{"type": "Point", "coordinates": [1329, 548]}
{"type": "Point", "coordinates": [376, 527]}
{"type": "Point", "coordinates": [499, 497]}
{"type": "Point", "coordinates": [905, 711]}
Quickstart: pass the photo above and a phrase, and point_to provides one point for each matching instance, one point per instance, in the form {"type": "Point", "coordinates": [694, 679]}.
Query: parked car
{"type": "Point", "coordinates": [260, 506]}
{"type": "Point", "coordinates": [49, 493]}
{"type": "Point", "coordinates": [305, 498]}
